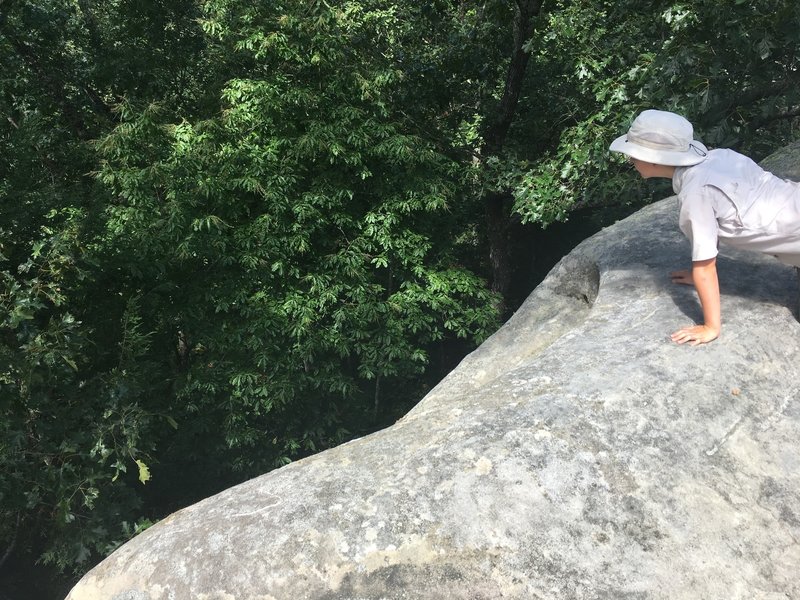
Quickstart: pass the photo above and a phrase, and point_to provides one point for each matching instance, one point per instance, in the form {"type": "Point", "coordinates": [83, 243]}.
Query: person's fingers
{"type": "Point", "coordinates": [694, 336]}
{"type": "Point", "coordinates": [688, 335]}
{"type": "Point", "coordinates": [680, 337]}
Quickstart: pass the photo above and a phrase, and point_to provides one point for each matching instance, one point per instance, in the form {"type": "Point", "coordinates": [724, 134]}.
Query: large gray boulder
{"type": "Point", "coordinates": [577, 454]}
{"type": "Point", "coordinates": [785, 162]}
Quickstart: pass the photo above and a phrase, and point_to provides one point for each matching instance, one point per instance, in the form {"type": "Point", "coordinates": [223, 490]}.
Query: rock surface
{"type": "Point", "coordinates": [785, 162]}
{"type": "Point", "coordinates": [577, 454]}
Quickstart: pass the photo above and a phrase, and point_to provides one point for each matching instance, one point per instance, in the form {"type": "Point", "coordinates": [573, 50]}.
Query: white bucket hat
{"type": "Point", "coordinates": [661, 138]}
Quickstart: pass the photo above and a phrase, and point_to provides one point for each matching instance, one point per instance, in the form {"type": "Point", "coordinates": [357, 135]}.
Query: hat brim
{"type": "Point", "coordinates": [696, 153]}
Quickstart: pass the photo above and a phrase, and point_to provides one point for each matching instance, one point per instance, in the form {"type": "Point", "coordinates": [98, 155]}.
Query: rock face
{"type": "Point", "coordinates": [577, 454]}
{"type": "Point", "coordinates": [785, 162]}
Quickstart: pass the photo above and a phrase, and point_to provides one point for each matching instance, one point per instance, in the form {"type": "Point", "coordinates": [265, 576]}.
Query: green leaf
{"type": "Point", "coordinates": [144, 471]}
{"type": "Point", "coordinates": [70, 362]}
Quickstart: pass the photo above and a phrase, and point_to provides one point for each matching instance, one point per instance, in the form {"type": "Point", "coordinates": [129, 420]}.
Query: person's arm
{"type": "Point", "coordinates": [704, 278]}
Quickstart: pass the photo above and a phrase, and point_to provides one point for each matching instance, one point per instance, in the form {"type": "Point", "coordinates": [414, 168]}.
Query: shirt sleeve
{"type": "Point", "coordinates": [698, 222]}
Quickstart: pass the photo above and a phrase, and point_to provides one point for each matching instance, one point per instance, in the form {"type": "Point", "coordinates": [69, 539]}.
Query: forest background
{"type": "Point", "coordinates": [234, 233]}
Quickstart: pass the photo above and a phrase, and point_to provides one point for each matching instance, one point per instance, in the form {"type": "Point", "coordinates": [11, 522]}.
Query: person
{"type": "Point", "coordinates": [723, 197]}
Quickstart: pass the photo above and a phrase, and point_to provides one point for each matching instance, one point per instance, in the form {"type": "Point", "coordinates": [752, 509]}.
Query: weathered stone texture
{"type": "Point", "coordinates": [578, 454]}
{"type": "Point", "coordinates": [785, 162]}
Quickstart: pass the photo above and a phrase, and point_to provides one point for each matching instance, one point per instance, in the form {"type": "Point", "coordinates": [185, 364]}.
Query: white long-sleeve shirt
{"type": "Point", "coordinates": [728, 198]}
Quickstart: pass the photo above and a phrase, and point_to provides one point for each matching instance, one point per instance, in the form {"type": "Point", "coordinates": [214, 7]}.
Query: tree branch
{"type": "Point", "coordinates": [747, 98]}
{"type": "Point", "coordinates": [778, 116]}
{"type": "Point", "coordinates": [524, 22]}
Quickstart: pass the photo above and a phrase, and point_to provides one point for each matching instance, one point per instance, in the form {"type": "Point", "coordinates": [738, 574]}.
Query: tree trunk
{"type": "Point", "coordinates": [497, 213]}
{"type": "Point", "coordinates": [497, 204]}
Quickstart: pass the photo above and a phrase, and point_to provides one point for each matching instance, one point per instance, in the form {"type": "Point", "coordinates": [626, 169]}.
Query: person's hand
{"type": "Point", "coordinates": [698, 334]}
{"type": "Point", "coordinates": [683, 277]}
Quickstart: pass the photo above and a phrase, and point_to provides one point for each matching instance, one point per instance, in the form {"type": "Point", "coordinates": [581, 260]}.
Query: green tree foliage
{"type": "Point", "coordinates": [730, 67]}
{"type": "Point", "coordinates": [233, 233]}
{"type": "Point", "coordinates": [74, 365]}
{"type": "Point", "coordinates": [250, 270]}
{"type": "Point", "coordinates": [297, 244]}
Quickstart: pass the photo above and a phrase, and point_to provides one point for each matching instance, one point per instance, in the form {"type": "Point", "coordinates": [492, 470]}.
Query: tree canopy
{"type": "Point", "coordinates": [236, 233]}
